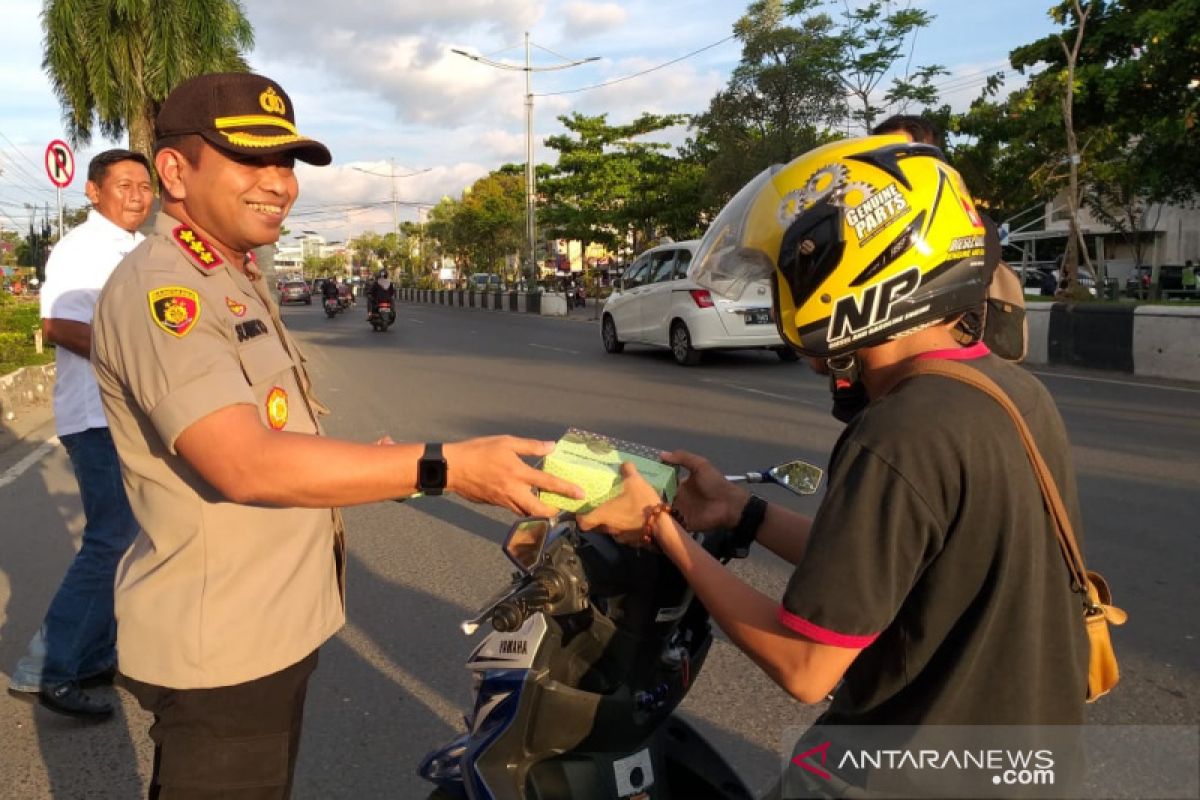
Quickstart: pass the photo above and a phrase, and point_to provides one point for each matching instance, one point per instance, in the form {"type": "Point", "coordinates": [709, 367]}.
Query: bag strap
{"type": "Point", "coordinates": [1054, 504]}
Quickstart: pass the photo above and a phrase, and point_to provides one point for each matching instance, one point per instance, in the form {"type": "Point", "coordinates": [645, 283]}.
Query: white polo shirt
{"type": "Point", "coordinates": [78, 267]}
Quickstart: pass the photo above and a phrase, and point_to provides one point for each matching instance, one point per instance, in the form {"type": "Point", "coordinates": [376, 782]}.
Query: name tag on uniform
{"type": "Point", "coordinates": [250, 328]}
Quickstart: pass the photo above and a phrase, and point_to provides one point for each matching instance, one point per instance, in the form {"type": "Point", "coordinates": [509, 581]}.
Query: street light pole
{"type": "Point", "coordinates": [530, 174]}
{"type": "Point", "coordinates": [530, 178]}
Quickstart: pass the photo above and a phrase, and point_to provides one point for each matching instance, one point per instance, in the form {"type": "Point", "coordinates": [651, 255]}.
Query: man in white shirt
{"type": "Point", "coordinates": [78, 635]}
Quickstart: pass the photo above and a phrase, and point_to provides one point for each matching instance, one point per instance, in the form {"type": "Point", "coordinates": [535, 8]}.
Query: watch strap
{"type": "Point", "coordinates": [746, 530]}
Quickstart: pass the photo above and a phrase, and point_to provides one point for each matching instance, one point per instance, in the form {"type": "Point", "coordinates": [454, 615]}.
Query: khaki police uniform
{"type": "Point", "coordinates": [212, 593]}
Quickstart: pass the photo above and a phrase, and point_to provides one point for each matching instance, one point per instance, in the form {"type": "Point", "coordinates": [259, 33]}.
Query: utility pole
{"type": "Point", "coordinates": [530, 175]}
{"type": "Point", "coordinates": [530, 179]}
{"type": "Point", "coordinates": [392, 175]}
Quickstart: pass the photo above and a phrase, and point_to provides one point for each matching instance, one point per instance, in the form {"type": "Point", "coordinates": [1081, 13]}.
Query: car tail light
{"type": "Point", "coordinates": [702, 297]}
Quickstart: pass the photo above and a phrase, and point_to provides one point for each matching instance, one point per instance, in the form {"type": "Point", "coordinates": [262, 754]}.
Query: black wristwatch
{"type": "Point", "coordinates": [431, 470]}
{"type": "Point", "coordinates": [746, 530]}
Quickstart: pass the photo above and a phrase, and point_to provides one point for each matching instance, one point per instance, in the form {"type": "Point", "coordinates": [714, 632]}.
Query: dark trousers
{"type": "Point", "coordinates": [229, 742]}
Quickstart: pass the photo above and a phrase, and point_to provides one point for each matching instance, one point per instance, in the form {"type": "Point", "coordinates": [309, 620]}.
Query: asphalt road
{"type": "Point", "coordinates": [391, 686]}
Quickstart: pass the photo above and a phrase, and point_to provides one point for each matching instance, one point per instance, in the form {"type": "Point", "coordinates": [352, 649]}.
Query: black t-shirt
{"type": "Point", "coordinates": [932, 551]}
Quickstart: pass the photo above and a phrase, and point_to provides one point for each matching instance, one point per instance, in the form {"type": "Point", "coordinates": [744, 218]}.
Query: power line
{"type": "Point", "coordinates": [638, 74]}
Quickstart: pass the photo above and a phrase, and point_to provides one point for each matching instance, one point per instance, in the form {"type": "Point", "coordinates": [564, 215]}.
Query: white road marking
{"type": "Point", "coordinates": [18, 469]}
{"type": "Point", "coordinates": [751, 390]}
{"type": "Point", "coordinates": [1132, 384]}
{"type": "Point", "coordinates": [555, 349]}
{"type": "Point", "coordinates": [369, 651]}
{"type": "Point", "coordinates": [418, 321]}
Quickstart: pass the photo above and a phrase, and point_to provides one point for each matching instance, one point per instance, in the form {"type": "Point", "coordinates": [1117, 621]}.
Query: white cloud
{"type": "Point", "coordinates": [588, 19]}
{"type": "Point", "coordinates": [376, 81]}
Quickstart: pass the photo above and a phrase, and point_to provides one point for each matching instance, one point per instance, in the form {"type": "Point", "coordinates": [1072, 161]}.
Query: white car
{"type": "Point", "coordinates": [654, 303]}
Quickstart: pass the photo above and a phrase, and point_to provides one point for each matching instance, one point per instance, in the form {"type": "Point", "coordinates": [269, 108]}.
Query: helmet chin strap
{"type": "Point", "coordinates": [846, 386]}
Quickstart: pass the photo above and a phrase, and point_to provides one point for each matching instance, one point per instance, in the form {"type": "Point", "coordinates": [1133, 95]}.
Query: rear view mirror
{"type": "Point", "coordinates": [525, 542]}
{"type": "Point", "coordinates": [799, 477]}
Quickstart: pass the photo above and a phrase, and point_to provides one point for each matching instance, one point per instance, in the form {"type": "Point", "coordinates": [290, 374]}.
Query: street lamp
{"type": "Point", "coordinates": [391, 173]}
{"type": "Point", "coordinates": [530, 182]}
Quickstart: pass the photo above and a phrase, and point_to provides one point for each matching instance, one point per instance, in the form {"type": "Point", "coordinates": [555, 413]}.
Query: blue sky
{"type": "Point", "coordinates": [377, 82]}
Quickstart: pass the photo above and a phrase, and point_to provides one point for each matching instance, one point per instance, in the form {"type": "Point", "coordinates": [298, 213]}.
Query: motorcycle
{"type": "Point", "coordinates": [332, 306]}
{"type": "Point", "coordinates": [594, 646]}
{"type": "Point", "coordinates": [383, 316]}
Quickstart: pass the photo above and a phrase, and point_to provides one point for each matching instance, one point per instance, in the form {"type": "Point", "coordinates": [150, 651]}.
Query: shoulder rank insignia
{"type": "Point", "coordinates": [277, 409]}
{"type": "Point", "coordinates": [175, 309]}
{"type": "Point", "coordinates": [235, 308]}
{"type": "Point", "coordinates": [196, 248]}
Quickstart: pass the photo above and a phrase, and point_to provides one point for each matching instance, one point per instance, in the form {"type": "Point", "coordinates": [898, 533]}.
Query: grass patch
{"type": "Point", "coordinates": [18, 318]}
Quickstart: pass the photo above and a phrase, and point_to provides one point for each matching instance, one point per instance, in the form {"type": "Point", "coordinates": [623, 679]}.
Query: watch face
{"type": "Point", "coordinates": [433, 474]}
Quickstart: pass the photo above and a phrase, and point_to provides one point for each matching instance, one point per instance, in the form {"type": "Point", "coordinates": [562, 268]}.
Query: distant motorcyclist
{"type": "Point", "coordinates": [329, 289]}
{"type": "Point", "coordinates": [380, 289]}
{"type": "Point", "coordinates": [344, 295]}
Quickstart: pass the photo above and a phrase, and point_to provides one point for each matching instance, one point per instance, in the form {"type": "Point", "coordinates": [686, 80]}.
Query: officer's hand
{"type": "Point", "coordinates": [705, 499]}
{"type": "Point", "coordinates": [624, 516]}
{"type": "Point", "coordinates": [490, 470]}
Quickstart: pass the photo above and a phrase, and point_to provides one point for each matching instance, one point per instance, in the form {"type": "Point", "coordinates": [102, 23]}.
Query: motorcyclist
{"type": "Point", "coordinates": [329, 289]}
{"type": "Point", "coordinates": [345, 297]}
{"type": "Point", "coordinates": [381, 289]}
{"type": "Point", "coordinates": [929, 583]}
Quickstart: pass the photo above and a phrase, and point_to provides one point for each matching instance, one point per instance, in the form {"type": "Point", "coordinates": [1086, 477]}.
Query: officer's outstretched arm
{"type": "Point", "coordinates": [247, 462]}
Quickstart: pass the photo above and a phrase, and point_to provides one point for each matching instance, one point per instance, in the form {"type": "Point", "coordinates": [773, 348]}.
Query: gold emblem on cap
{"type": "Point", "coordinates": [271, 102]}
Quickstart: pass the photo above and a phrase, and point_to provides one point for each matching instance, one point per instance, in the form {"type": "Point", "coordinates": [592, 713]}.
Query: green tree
{"type": "Point", "coordinates": [491, 217]}
{"type": "Point", "coordinates": [789, 93]}
{"type": "Point", "coordinates": [10, 243]}
{"type": "Point", "coordinates": [611, 185]}
{"type": "Point", "coordinates": [781, 99]}
{"type": "Point", "coordinates": [1133, 111]}
{"type": "Point", "coordinates": [1136, 75]}
{"type": "Point", "coordinates": [873, 39]}
{"type": "Point", "coordinates": [113, 63]}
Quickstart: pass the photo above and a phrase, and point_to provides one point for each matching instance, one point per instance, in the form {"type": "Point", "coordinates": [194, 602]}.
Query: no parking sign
{"type": "Point", "coordinates": [60, 163]}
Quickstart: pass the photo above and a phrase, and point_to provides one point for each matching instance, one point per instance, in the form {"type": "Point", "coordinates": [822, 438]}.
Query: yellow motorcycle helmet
{"type": "Point", "coordinates": [865, 239]}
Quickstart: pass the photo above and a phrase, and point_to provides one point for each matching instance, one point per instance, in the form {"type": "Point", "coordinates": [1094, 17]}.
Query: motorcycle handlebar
{"type": "Point", "coordinates": [546, 588]}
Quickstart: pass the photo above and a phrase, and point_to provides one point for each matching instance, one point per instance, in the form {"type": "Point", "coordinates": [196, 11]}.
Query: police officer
{"type": "Point", "coordinates": [237, 576]}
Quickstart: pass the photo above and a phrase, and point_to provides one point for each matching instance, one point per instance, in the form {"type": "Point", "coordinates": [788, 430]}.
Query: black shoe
{"type": "Point", "coordinates": [67, 698]}
{"type": "Point", "coordinates": [102, 678]}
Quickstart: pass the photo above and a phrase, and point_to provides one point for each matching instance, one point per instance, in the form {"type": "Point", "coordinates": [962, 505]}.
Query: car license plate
{"type": "Point", "coordinates": [758, 316]}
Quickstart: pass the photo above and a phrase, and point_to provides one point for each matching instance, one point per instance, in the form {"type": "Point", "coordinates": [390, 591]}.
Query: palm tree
{"type": "Point", "coordinates": [113, 62]}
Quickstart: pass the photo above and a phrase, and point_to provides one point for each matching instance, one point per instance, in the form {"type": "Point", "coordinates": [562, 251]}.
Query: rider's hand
{"type": "Point", "coordinates": [705, 500]}
{"type": "Point", "coordinates": [624, 516]}
{"type": "Point", "coordinates": [490, 470]}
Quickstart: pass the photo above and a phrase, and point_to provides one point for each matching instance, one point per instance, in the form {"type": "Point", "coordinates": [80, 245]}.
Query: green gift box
{"type": "Point", "coordinates": [593, 461]}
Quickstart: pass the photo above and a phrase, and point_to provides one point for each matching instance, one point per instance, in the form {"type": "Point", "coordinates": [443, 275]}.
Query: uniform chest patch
{"type": "Point", "coordinates": [195, 248]}
{"type": "Point", "coordinates": [175, 309]}
{"type": "Point", "coordinates": [235, 308]}
{"type": "Point", "coordinates": [250, 328]}
{"type": "Point", "coordinates": [277, 409]}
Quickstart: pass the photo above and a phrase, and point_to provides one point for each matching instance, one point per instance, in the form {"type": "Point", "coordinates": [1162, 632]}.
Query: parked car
{"type": "Point", "coordinates": [294, 291]}
{"type": "Point", "coordinates": [654, 303]}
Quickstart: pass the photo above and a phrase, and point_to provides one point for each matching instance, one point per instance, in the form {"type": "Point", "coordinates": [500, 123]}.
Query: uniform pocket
{"type": "Point", "coordinates": [263, 361]}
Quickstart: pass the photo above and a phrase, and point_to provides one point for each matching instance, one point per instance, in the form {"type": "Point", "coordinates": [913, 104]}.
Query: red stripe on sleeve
{"type": "Point", "coordinates": [977, 350]}
{"type": "Point", "coordinates": [823, 635]}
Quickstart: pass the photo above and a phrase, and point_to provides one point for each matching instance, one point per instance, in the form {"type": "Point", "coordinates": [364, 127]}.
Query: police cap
{"type": "Point", "coordinates": [239, 113]}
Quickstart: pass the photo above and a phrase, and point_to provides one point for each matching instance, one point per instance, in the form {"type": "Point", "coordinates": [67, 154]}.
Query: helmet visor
{"type": "Point", "coordinates": [737, 251]}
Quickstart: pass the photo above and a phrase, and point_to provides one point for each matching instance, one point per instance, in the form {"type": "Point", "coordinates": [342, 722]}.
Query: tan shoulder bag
{"type": "Point", "coordinates": [1098, 610]}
